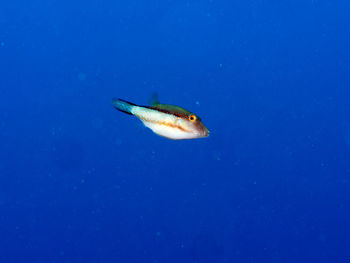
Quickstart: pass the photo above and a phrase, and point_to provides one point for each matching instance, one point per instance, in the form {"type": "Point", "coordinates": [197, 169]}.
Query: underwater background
{"type": "Point", "coordinates": [82, 182]}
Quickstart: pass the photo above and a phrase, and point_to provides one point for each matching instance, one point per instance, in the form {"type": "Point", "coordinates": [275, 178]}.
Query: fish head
{"type": "Point", "coordinates": [193, 125]}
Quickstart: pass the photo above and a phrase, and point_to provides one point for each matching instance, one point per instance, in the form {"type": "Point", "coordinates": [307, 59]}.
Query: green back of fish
{"type": "Point", "coordinates": [171, 109]}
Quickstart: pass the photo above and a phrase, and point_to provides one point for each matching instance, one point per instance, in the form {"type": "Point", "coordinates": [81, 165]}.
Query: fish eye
{"type": "Point", "coordinates": [192, 118]}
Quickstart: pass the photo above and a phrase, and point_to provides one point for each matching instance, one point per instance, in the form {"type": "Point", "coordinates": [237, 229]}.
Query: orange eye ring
{"type": "Point", "coordinates": [192, 118]}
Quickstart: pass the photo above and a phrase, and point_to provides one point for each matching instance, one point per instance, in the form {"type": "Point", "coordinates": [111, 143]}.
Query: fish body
{"type": "Point", "coordinates": [169, 121]}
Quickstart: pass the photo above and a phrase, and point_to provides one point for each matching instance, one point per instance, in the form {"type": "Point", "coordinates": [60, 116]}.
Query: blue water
{"type": "Point", "coordinates": [82, 182]}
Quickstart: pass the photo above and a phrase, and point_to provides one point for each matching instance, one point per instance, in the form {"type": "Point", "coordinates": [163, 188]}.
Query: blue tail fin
{"type": "Point", "coordinates": [123, 105]}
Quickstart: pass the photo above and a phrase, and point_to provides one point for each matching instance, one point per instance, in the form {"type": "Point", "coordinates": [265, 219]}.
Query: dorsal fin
{"type": "Point", "coordinates": [154, 100]}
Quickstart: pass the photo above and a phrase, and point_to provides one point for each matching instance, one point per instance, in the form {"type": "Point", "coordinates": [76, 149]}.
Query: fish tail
{"type": "Point", "coordinates": [122, 105]}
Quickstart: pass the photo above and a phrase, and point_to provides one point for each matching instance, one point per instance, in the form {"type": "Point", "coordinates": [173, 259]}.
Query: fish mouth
{"type": "Point", "coordinates": [205, 132]}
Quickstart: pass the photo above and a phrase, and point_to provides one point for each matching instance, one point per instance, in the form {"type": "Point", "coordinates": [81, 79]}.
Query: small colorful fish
{"type": "Point", "coordinates": [169, 121]}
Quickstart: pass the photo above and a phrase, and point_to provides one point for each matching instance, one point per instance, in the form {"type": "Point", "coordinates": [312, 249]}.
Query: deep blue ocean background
{"type": "Point", "coordinates": [82, 182]}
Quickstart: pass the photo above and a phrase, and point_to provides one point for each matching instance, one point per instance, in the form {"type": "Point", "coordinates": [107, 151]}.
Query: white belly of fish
{"type": "Point", "coordinates": [169, 132]}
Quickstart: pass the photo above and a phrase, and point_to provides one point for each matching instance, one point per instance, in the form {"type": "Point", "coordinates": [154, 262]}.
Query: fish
{"type": "Point", "coordinates": [169, 121]}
